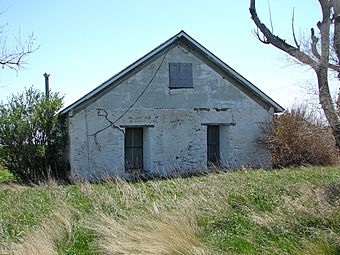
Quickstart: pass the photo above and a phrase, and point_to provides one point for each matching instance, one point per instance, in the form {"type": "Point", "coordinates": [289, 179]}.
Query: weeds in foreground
{"type": "Point", "coordinates": [44, 238]}
{"type": "Point", "coordinates": [243, 212]}
{"type": "Point", "coordinates": [155, 233]}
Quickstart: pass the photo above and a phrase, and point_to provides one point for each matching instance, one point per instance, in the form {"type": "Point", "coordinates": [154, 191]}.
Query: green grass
{"type": "Point", "coordinates": [291, 211]}
{"type": "Point", "coordinates": [5, 176]}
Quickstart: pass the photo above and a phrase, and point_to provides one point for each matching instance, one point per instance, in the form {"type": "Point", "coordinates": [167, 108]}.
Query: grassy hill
{"type": "Point", "coordinates": [291, 211]}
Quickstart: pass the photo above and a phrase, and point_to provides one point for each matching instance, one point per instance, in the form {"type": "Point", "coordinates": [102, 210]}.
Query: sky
{"type": "Point", "coordinates": [84, 43]}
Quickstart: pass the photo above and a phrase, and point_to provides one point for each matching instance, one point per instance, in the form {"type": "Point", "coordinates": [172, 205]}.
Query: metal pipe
{"type": "Point", "coordinates": [47, 85]}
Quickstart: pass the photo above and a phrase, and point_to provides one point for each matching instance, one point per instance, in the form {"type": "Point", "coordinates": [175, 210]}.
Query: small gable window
{"type": "Point", "coordinates": [180, 75]}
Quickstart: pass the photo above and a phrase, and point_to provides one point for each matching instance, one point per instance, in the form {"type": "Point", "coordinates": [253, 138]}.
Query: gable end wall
{"type": "Point", "coordinates": [174, 122]}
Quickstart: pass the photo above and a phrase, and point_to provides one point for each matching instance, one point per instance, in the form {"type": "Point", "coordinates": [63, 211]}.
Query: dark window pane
{"type": "Point", "coordinates": [138, 158]}
{"type": "Point", "coordinates": [213, 134]}
{"type": "Point", "coordinates": [134, 148]}
{"type": "Point", "coordinates": [180, 75]}
{"type": "Point", "coordinates": [213, 154]}
{"type": "Point", "coordinates": [213, 145]}
{"type": "Point", "coordinates": [138, 137]}
{"type": "Point", "coordinates": [128, 157]}
{"type": "Point", "coordinates": [128, 136]}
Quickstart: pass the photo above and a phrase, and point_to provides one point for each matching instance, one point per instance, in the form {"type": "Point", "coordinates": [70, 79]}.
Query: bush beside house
{"type": "Point", "coordinates": [299, 137]}
{"type": "Point", "coordinates": [32, 139]}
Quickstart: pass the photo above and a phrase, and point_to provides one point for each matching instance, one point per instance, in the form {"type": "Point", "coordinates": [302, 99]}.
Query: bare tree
{"type": "Point", "coordinates": [14, 56]}
{"type": "Point", "coordinates": [318, 56]}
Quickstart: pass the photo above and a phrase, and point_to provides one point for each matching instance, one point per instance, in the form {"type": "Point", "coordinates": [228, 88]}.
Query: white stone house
{"type": "Point", "coordinates": [178, 108]}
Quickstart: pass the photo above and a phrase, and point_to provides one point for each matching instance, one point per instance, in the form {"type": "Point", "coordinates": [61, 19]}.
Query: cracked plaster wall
{"type": "Point", "coordinates": [174, 137]}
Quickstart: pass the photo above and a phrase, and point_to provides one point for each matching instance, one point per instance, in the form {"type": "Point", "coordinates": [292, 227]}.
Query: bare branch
{"type": "Point", "coordinates": [324, 27]}
{"type": "Point", "coordinates": [261, 39]}
{"type": "Point", "coordinates": [293, 30]}
{"type": "Point", "coordinates": [278, 42]}
{"type": "Point", "coordinates": [314, 43]}
{"type": "Point", "coordinates": [15, 57]}
{"type": "Point", "coordinates": [338, 103]}
{"type": "Point", "coordinates": [318, 59]}
{"type": "Point", "coordinates": [335, 68]}
{"type": "Point", "coordinates": [270, 17]}
{"type": "Point", "coordinates": [336, 38]}
{"type": "Point", "coordinates": [325, 7]}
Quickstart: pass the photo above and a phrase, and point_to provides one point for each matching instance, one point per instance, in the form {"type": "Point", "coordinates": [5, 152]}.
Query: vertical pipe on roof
{"type": "Point", "coordinates": [47, 85]}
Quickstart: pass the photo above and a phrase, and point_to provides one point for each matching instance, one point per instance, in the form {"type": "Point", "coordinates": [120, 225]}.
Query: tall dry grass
{"type": "Point", "coordinates": [149, 230]}
{"type": "Point", "coordinates": [44, 238]}
{"type": "Point", "coordinates": [320, 246]}
{"type": "Point", "coordinates": [206, 215]}
{"type": "Point", "coordinates": [154, 233]}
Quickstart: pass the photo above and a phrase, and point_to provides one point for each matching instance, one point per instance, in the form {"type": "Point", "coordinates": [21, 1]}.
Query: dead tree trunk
{"type": "Point", "coordinates": [318, 61]}
{"type": "Point", "coordinates": [336, 39]}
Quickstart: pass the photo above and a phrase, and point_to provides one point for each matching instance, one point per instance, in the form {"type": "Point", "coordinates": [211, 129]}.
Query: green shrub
{"type": "Point", "coordinates": [32, 136]}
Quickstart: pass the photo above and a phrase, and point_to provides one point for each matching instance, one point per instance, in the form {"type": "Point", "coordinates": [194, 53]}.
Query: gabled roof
{"type": "Point", "coordinates": [180, 36]}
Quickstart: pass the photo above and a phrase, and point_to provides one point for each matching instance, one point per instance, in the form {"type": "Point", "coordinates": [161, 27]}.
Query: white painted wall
{"type": "Point", "coordinates": [174, 137]}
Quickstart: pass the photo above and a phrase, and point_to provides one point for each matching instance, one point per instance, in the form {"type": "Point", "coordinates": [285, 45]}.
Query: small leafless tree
{"type": "Point", "coordinates": [14, 55]}
{"type": "Point", "coordinates": [319, 55]}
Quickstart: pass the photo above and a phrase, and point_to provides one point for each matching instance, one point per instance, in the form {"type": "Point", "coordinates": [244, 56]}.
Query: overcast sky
{"type": "Point", "coordinates": [84, 43]}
